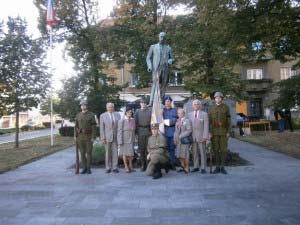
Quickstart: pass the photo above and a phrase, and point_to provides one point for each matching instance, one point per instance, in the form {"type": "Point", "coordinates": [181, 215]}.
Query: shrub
{"type": "Point", "coordinates": [98, 155]}
{"type": "Point", "coordinates": [66, 131]}
{"type": "Point", "coordinates": [31, 128]}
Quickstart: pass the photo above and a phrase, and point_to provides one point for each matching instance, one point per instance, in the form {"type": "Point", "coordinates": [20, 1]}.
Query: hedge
{"type": "Point", "coordinates": [69, 131]}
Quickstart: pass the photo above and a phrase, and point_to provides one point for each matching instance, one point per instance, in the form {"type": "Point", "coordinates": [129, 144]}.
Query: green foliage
{"type": "Point", "coordinates": [87, 44]}
{"type": "Point", "coordinates": [66, 131]}
{"type": "Point", "coordinates": [45, 105]}
{"type": "Point", "coordinates": [22, 69]}
{"type": "Point", "coordinates": [289, 93]}
{"type": "Point", "coordinates": [98, 154]}
{"type": "Point", "coordinates": [31, 128]}
{"type": "Point", "coordinates": [23, 77]}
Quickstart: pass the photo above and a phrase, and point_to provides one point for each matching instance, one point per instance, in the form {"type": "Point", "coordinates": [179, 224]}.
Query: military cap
{"type": "Point", "coordinates": [168, 97]}
{"type": "Point", "coordinates": [83, 102]}
{"type": "Point", "coordinates": [219, 94]}
{"type": "Point", "coordinates": [143, 100]}
{"type": "Point", "coordinates": [154, 125]}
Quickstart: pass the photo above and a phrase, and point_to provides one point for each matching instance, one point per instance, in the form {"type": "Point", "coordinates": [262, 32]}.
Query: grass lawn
{"type": "Point", "coordinates": [286, 142]}
{"type": "Point", "coordinates": [30, 150]}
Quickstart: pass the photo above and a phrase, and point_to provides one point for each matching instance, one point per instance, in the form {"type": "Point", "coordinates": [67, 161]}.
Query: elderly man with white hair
{"type": "Point", "coordinates": [200, 132]}
{"type": "Point", "coordinates": [108, 133]}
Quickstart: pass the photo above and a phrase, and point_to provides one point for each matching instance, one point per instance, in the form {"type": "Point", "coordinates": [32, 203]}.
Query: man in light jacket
{"type": "Point", "coordinates": [108, 133]}
{"type": "Point", "coordinates": [200, 131]}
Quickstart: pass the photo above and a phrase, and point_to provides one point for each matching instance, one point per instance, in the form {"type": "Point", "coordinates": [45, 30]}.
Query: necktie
{"type": "Point", "coordinates": [112, 120]}
{"type": "Point", "coordinates": [196, 114]}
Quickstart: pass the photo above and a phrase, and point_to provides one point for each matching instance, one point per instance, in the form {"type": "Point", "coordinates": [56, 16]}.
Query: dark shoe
{"type": "Point", "coordinates": [172, 166]}
{"type": "Point", "coordinates": [88, 171]}
{"type": "Point", "coordinates": [157, 172]}
{"type": "Point", "coordinates": [83, 171]}
{"type": "Point", "coordinates": [115, 170]}
{"type": "Point", "coordinates": [108, 171]}
{"type": "Point", "coordinates": [223, 171]}
{"type": "Point", "coordinates": [195, 170]}
{"type": "Point", "coordinates": [217, 170]}
{"type": "Point", "coordinates": [167, 167]}
{"type": "Point", "coordinates": [203, 171]}
{"type": "Point", "coordinates": [157, 175]}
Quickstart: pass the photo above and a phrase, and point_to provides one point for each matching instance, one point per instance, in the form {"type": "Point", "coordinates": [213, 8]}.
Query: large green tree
{"type": "Point", "coordinates": [87, 44]}
{"type": "Point", "coordinates": [137, 25]}
{"type": "Point", "coordinates": [22, 70]}
{"type": "Point", "coordinates": [288, 93]}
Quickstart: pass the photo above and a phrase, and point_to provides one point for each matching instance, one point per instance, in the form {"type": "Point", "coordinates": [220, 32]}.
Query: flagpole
{"type": "Point", "coordinates": [51, 87]}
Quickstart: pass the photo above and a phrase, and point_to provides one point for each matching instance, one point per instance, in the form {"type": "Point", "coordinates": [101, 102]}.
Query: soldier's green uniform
{"type": "Point", "coordinates": [219, 126]}
{"type": "Point", "coordinates": [159, 156]}
{"type": "Point", "coordinates": [85, 130]}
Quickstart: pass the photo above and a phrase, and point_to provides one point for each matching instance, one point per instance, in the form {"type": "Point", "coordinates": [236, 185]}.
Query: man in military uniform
{"type": "Point", "coordinates": [142, 119]}
{"type": "Point", "coordinates": [85, 131]}
{"type": "Point", "coordinates": [170, 118]}
{"type": "Point", "coordinates": [219, 126]}
{"type": "Point", "coordinates": [158, 156]}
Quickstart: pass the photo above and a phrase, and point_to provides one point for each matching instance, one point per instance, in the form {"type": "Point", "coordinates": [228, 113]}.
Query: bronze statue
{"type": "Point", "coordinates": [159, 58]}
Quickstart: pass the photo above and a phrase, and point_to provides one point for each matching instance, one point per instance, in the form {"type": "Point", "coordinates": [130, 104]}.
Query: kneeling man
{"type": "Point", "coordinates": [158, 154]}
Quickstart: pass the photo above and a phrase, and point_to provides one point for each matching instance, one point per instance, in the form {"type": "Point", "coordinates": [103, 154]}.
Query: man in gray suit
{"type": "Point", "coordinates": [158, 59]}
{"type": "Point", "coordinates": [200, 131]}
{"type": "Point", "coordinates": [108, 133]}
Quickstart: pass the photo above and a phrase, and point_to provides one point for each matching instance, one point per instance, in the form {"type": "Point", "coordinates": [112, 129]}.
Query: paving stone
{"type": "Point", "coordinates": [46, 192]}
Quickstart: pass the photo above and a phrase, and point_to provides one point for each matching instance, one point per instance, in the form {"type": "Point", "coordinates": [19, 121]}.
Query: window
{"type": "Point", "coordinates": [287, 72]}
{"type": "Point", "coordinates": [133, 80]}
{"type": "Point", "coordinates": [254, 74]}
{"type": "Point", "coordinates": [176, 79]}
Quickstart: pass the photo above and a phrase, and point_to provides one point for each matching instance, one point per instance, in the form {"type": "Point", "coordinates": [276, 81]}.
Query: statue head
{"type": "Point", "coordinates": [162, 37]}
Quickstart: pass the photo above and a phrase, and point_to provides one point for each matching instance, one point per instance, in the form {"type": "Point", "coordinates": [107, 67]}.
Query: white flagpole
{"type": "Point", "coordinates": [51, 87]}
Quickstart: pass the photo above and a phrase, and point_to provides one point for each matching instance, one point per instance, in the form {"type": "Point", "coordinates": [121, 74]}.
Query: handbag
{"type": "Point", "coordinates": [186, 140]}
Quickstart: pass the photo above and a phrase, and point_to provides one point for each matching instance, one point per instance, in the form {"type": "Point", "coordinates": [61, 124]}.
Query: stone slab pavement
{"type": "Point", "coordinates": [46, 192]}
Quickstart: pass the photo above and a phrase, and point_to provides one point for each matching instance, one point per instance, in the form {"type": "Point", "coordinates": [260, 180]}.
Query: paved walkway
{"type": "Point", "coordinates": [46, 192]}
{"type": "Point", "coordinates": [27, 135]}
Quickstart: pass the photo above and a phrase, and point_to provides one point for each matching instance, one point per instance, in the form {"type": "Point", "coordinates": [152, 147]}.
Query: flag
{"type": "Point", "coordinates": [157, 111]}
{"type": "Point", "coordinates": [50, 18]}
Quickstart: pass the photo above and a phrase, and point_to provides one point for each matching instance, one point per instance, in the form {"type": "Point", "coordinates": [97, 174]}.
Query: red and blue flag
{"type": "Point", "coordinates": [50, 19]}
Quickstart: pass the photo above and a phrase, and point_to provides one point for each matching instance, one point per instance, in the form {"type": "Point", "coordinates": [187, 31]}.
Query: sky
{"type": "Point", "coordinates": [26, 9]}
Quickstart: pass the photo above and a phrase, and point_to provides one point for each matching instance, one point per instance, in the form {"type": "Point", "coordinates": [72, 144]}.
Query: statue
{"type": "Point", "coordinates": [159, 58]}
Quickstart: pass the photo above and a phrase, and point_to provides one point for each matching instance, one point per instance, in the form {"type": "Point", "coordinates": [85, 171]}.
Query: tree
{"type": "Point", "coordinates": [207, 49]}
{"type": "Point", "coordinates": [22, 70]}
{"type": "Point", "coordinates": [274, 24]}
{"type": "Point", "coordinates": [87, 43]}
{"type": "Point", "coordinates": [288, 93]}
{"type": "Point", "coordinates": [45, 107]}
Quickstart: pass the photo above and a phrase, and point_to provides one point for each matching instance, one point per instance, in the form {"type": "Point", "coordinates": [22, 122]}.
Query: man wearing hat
{"type": "Point", "coordinates": [170, 118]}
{"type": "Point", "coordinates": [85, 131]}
{"type": "Point", "coordinates": [108, 133]}
{"type": "Point", "coordinates": [158, 156]}
{"type": "Point", "coordinates": [219, 126]}
{"type": "Point", "coordinates": [142, 119]}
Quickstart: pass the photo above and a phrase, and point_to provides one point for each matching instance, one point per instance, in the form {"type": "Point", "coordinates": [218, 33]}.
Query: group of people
{"type": "Point", "coordinates": [182, 133]}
